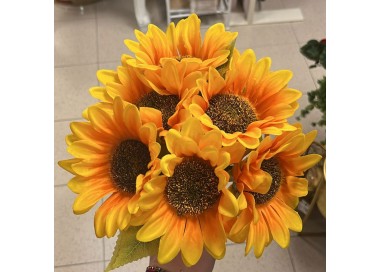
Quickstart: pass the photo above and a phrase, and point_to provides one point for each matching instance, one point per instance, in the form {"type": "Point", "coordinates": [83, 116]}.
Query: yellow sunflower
{"type": "Point", "coordinates": [181, 42]}
{"type": "Point", "coordinates": [251, 101]}
{"type": "Point", "coordinates": [271, 180]}
{"type": "Point", "coordinates": [113, 154]}
{"type": "Point", "coordinates": [190, 196]}
{"type": "Point", "coordinates": [163, 91]}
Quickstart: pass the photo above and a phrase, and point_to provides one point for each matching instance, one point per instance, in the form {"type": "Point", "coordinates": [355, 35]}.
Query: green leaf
{"type": "Point", "coordinates": [311, 50]}
{"type": "Point", "coordinates": [129, 249]}
{"type": "Point", "coordinates": [322, 58]}
{"type": "Point", "coordinates": [222, 69]}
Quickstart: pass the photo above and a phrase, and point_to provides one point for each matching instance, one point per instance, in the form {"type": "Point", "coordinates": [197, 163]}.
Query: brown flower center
{"type": "Point", "coordinates": [230, 113]}
{"type": "Point", "coordinates": [272, 167]}
{"type": "Point", "coordinates": [129, 159]}
{"type": "Point", "coordinates": [164, 103]}
{"type": "Point", "coordinates": [193, 188]}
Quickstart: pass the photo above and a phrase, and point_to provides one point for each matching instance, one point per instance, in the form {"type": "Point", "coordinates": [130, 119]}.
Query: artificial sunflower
{"type": "Point", "coordinates": [182, 42]}
{"type": "Point", "coordinates": [249, 102]}
{"type": "Point", "coordinates": [271, 180]}
{"type": "Point", "coordinates": [163, 91]}
{"type": "Point", "coordinates": [113, 154]}
{"type": "Point", "coordinates": [190, 196]}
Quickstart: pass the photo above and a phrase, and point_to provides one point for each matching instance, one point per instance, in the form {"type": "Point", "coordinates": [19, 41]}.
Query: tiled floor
{"type": "Point", "coordinates": [93, 39]}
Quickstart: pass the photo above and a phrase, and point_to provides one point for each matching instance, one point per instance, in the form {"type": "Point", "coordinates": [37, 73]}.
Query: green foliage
{"type": "Point", "coordinates": [129, 249]}
{"type": "Point", "coordinates": [317, 99]}
{"type": "Point", "coordinates": [316, 51]}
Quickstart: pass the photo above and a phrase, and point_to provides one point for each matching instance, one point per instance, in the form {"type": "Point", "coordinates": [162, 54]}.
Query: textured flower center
{"type": "Point", "coordinates": [272, 167]}
{"type": "Point", "coordinates": [129, 159]}
{"type": "Point", "coordinates": [230, 113]}
{"type": "Point", "coordinates": [193, 188]}
{"type": "Point", "coordinates": [164, 103]}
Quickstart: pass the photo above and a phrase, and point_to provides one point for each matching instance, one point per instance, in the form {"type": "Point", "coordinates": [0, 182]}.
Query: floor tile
{"type": "Point", "coordinates": [307, 256]}
{"type": "Point", "coordinates": [314, 24]}
{"type": "Point", "coordinates": [288, 57]}
{"type": "Point", "coordinates": [74, 237]}
{"type": "Point", "coordinates": [255, 36]}
{"type": "Point", "coordinates": [90, 267]}
{"type": "Point", "coordinates": [136, 266]}
{"type": "Point", "coordinates": [75, 42]}
{"type": "Point", "coordinates": [64, 11]}
{"type": "Point", "coordinates": [109, 65]}
{"type": "Point", "coordinates": [109, 245]}
{"type": "Point", "coordinates": [61, 129]}
{"type": "Point", "coordinates": [71, 95]}
{"type": "Point", "coordinates": [274, 259]}
{"type": "Point", "coordinates": [115, 24]}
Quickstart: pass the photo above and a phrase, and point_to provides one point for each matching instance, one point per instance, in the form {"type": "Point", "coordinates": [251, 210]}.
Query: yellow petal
{"type": "Point", "coordinates": [228, 204]}
{"type": "Point", "coordinates": [67, 165]}
{"type": "Point", "coordinates": [170, 242]}
{"type": "Point", "coordinates": [297, 186]}
{"type": "Point", "coordinates": [156, 226]}
{"type": "Point", "coordinates": [105, 76]}
{"type": "Point", "coordinates": [87, 199]}
{"type": "Point", "coordinates": [277, 228]}
{"type": "Point", "coordinates": [192, 243]}
{"type": "Point", "coordinates": [101, 94]}
{"type": "Point", "coordinates": [243, 220]}
{"type": "Point", "coordinates": [213, 233]}
{"type": "Point", "coordinates": [211, 138]}
{"type": "Point", "coordinates": [101, 120]}
{"type": "Point", "coordinates": [132, 121]}
{"type": "Point", "coordinates": [289, 216]}
{"type": "Point", "coordinates": [236, 151]}
{"type": "Point", "coordinates": [192, 128]}
{"type": "Point", "coordinates": [151, 115]}
{"type": "Point", "coordinates": [168, 164]}
{"type": "Point", "coordinates": [305, 162]}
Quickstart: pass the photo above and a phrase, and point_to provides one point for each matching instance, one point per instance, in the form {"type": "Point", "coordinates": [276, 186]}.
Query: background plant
{"type": "Point", "coordinates": [316, 51]}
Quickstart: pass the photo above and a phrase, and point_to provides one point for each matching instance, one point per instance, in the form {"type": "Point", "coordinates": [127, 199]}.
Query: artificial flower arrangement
{"type": "Point", "coordinates": [190, 146]}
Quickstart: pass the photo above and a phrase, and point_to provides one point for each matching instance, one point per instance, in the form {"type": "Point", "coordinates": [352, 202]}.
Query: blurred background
{"type": "Point", "coordinates": [89, 35]}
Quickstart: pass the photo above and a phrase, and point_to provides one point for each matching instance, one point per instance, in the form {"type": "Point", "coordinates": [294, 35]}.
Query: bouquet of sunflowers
{"type": "Point", "coordinates": [190, 146]}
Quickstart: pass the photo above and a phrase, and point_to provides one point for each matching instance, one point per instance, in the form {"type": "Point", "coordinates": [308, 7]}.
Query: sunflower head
{"type": "Point", "coordinates": [181, 42]}
{"type": "Point", "coordinates": [271, 180]}
{"type": "Point", "coordinates": [192, 192]}
{"type": "Point", "coordinates": [115, 153]}
{"type": "Point", "coordinates": [249, 102]}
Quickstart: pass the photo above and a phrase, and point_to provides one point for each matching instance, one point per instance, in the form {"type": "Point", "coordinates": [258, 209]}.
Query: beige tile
{"type": "Point", "coordinates": [74, 237]}
{"type": "Point", "coordinates": [274, 259]}
{"type": "Point", "coordinates": [116, 22]}
{"type": "Point", "coordinates": [136, 266]}
{"type": "Point", "coordinates": [109, 65]}
{"type": "Point", "coordinates": [109, 245]}
{"type": "Point", "coordinates": [61, 129]}
{"type": "Point", "coordinates": [314, 24]}
{"type": "Point", "coordinates": [71, 95]}
{"type": "Point", "coordinates": [255, 36]}
{"type": "Point", "coordinates": [70, 12]}
{"type": "Point", "coordinates": [307, 256]}
{"type": "Point", "coordinates": [317, 74]}
{"type": "Point", "coordinates": [90, 267]}
{"type": "Point", "coordinates": [288, 57]}
{"type": "Point", "coordinates": [75, 42]}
